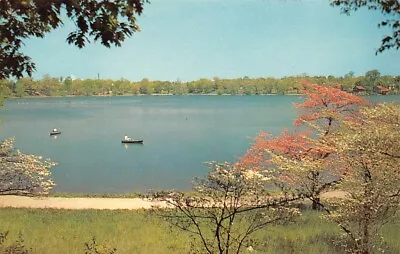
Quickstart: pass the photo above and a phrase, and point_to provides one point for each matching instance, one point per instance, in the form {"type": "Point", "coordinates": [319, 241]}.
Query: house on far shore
{"type": "Point", "coordinates": [381, 90]}
{"type": "Point", "coordinates": [359, 90]}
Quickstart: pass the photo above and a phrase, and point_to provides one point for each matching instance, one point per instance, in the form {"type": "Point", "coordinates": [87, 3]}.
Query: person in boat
{"type": "Point", "coordinates": [127, 138]}
{"type": "Point", "coordinates": [54, 130]}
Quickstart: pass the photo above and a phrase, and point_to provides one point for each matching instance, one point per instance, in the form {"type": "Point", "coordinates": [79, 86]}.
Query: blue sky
{"type": "Point", "coordinates": [192, 39]}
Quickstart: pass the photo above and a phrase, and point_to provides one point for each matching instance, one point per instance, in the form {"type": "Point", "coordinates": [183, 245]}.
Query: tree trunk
{"type": "Point", "coordinates": [366, 237]}
{"type": "Point", "coordinates": [366, 220]}
{"type": "Point", "coordinates": [315, 204]}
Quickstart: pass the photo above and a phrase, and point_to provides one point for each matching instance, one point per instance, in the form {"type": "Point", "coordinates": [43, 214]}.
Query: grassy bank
{"type": "Point", "coordinates": [61, 231]}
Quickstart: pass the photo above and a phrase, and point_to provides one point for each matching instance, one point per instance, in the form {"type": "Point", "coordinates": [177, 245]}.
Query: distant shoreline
{"type": "Point", "coordinates": [155, 95]}
{"type": "Point", "coordinates": [140, 95]}
{"type": "Point", "coordinates": [162, 95]}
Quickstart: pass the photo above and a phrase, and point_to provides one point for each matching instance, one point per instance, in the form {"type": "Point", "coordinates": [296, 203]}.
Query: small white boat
{"type": "Point", "coordinates": [129, 140]}
{"type": "Point", "coordinates": [55, 132]}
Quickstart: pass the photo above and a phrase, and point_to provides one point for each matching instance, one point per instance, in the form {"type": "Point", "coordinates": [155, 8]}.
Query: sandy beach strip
{"type": "Point", "coordinates": [78, 203]}
{"type": "Point", "coordinates": [97, 203]}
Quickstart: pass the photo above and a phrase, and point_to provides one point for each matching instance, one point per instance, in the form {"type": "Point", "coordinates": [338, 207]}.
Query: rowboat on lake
{"type": "Point", "coordinates": [133, 141]}
{"type": "Point", "coordinates": [129, 140]}
{"type": "Point", "coordinates": [55, 132]}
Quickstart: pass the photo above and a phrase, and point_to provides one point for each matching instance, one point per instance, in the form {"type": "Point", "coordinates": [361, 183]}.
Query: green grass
{"type": "Point", "coordinates": [391, 233]}
{"type": "Point", "coordinates": [309, 234]}
{"type": "Point", "coordinates": [64, 231]}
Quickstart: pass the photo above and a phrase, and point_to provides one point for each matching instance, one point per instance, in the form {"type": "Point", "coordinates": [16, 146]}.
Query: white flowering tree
{"type": "Point", "coordinates": [370, 149]}
{"type": "Point", "coordinates": [23, 174]}
{"type": "Point", "coordinates": [226, 208]}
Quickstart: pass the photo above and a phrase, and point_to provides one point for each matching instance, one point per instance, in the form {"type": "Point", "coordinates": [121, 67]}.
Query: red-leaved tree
{"type": "Point", "coordinates": [303, 160]}
{"type": "Point", "coordinates": [323, 107]}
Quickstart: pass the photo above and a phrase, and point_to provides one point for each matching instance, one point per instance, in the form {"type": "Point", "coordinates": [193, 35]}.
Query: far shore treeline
{"type": "Point", "coordinates": [371, 83]}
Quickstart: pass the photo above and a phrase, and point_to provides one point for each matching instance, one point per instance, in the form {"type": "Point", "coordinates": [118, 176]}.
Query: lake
{"type": "Point", "coordinates": [180, 133]}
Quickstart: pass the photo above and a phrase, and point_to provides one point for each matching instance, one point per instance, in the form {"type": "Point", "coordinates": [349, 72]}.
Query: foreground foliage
{"type": "Point", "coordinates": [301, 160]}
{"type": "Point", "coordinates": [17, 247]}
{"type": "Point", "coordinates": [370, 149]}
{"type": "Point", "coordinates": [23, 173]}
{"type": "Point", "coordinates": [391, 14]}
{"type": "Point", "coordinates": [347, 146]}
{"type": "Point", "coordinates": [93, 247]}
{"type": "Point", "coordinates": [109, 22]}
{"type": "Point", "coordinates": [226, 209]}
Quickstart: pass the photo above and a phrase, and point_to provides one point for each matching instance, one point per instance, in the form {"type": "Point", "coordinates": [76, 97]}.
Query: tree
{"type": "Point", "coordinates": [370, 150]}
{"type": "Point", "coordinates": [109, 22]}
{"type": "Point", "coordinates": [391, 10]}
{"type": "Point", "coordinates": [226, 208]}
{"type": "Point", "coordinates": [296, 162]}
{"type": "Point", "coordinates": [20, 89]}
{"type": "Point", "coordinates": [371, 79]}
{"type": "Point", "coordinates": [23, 173]}
{"type": "Point", "coordinates": [50, 86]}
{"type": "Point", "coordinates": [325, 106]}
{"type": "Point", "coordinates": [5, 90]}
{"type": "Point", "coordinates": [350, 74]}
{"type": "Point", "coordinates": [68, 85]}
{"type": "Point", "coordinates": [302, 160]}
{"type": "Point", "coordinates": [144, 86]}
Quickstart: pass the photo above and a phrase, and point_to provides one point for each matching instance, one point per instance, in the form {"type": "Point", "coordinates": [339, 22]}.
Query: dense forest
{"type": "Point", "coordinates": [371, 83]}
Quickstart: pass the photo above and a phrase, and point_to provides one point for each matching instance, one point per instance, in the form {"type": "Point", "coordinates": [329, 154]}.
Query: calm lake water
{"type": "Point", "coordinates": [180, 133]}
